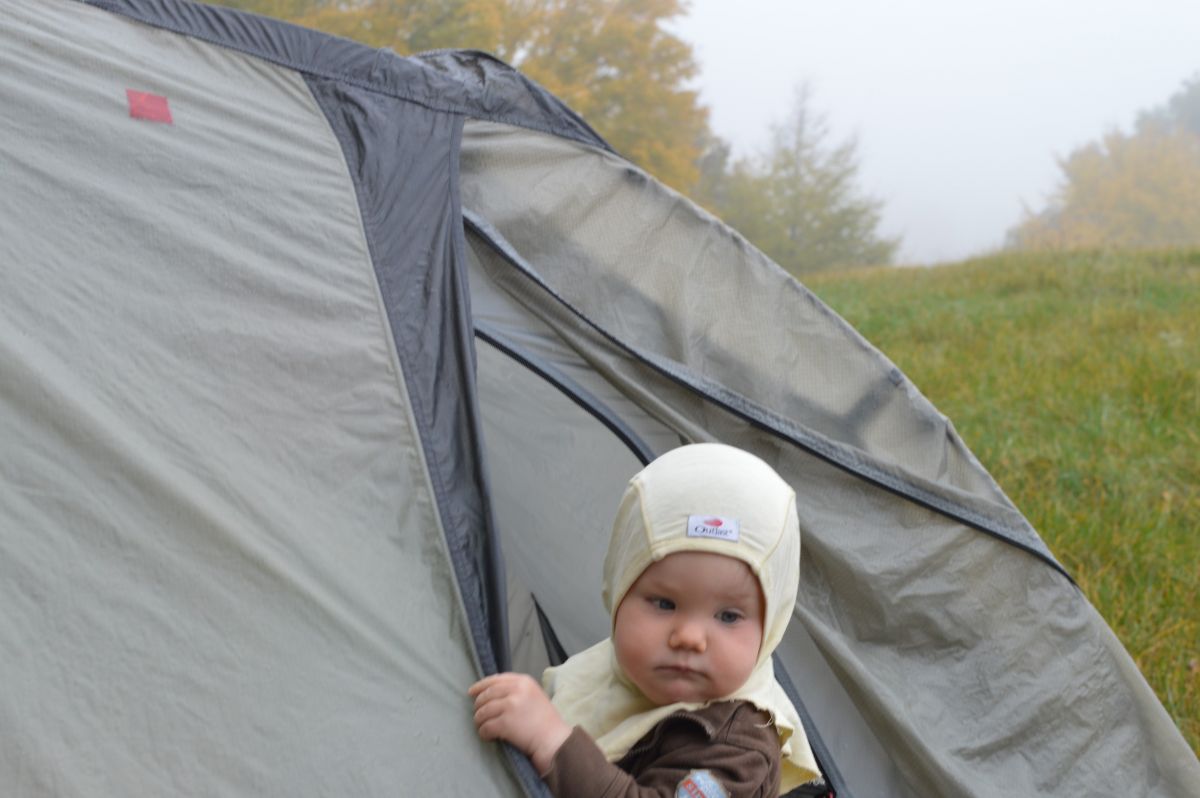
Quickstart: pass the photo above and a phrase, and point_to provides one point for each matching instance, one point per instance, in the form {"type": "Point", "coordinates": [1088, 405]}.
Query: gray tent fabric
{"type": "Point", "coordinates": [227, 554]}
{"type": "Point", "coordinates": [893, 593]}
{"type": "Point", "coordinates": [318, 391]}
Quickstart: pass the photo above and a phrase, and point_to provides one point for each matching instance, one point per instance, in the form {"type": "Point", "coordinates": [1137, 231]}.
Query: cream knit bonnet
{"type": "Point", "coordinates": [703, 497]}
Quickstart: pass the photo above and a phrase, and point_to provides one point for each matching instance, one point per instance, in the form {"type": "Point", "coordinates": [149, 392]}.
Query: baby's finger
{"type": "Point", "coordinates": [491, 722]}
{"type": "Point", "coordinates": [490, 730]}
{"type": "Point", "coordinates": [490, 694]}
{"type": "Point", "coordinates": [491, 708]}
{"type": "Point", "coordinates": [483, 684]}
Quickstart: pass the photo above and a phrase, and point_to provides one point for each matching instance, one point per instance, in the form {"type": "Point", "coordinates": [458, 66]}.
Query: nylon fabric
{"type": "Point", "coordinates": [221, 565]}
{"type": "Point", "coordinates": [529, 429]}
{"type": "Point", "coordinates": [955, 629]}
{"type": "Point", "coordinates": [412, 226]}
{"type": "Point", "coordinates": [595, 247]}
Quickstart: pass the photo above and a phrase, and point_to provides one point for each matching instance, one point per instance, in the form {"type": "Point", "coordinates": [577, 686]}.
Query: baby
{"type": "Point", "coordinates": [700, 581]}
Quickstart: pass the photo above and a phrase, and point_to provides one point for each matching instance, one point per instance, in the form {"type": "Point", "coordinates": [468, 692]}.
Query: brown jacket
{"type": "Point", "coordinates": [732, 740]}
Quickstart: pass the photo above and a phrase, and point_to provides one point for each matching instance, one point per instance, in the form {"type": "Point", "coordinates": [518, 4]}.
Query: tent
{"type": "Point", "coordinates": [321, 372]}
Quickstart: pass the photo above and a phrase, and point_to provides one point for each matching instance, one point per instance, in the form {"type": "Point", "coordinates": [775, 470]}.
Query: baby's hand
{"type": "Point", "coordinates": [512, 707]}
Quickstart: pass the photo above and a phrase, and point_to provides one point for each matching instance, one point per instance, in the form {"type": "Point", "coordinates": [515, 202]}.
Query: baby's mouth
{"type": "Point", "coordinates": [682, 671]}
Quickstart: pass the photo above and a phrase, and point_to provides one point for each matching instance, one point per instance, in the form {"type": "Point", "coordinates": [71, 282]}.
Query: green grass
{"type": "Point", "coordinates": [1075, 378]}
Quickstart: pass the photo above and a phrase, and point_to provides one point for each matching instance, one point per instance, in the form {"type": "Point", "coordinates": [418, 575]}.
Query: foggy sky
{"type": "Point", "coordinates": [960, 107]}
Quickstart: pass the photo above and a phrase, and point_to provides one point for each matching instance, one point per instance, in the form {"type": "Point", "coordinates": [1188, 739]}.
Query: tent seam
{"type": "Point", "coordinates": [413, 409]}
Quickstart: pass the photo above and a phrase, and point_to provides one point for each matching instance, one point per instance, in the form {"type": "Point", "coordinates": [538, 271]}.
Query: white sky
{"type": "Point", "coordinates": [960, 107]}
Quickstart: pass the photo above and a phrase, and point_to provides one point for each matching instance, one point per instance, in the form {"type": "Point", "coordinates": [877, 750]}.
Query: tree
{"type": "Point", "coordinates": [1127, 191]}
{"type": "Point", "coordinates": [612, 61]}
{"type": "Point", "coordinates": [799, 202]}
{"type": "Point", "coordinates": [1182, 110]}
{"type": "Point", "coordinates": [616, 65]}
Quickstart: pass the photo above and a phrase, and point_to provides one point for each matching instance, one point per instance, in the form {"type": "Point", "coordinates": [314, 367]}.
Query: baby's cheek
{"type": "Point", "coordinates": [744, 653]}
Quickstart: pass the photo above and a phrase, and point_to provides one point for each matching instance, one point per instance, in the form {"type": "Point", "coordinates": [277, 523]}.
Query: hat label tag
{"type": "Point", "coordinates": [713, 526]}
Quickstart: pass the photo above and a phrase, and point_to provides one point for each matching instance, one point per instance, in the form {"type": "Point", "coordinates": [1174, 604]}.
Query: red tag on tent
{"type": "Point", "coordinates": [143, 105]}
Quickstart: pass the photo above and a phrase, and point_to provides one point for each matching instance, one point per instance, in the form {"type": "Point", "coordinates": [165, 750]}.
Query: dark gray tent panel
{"type": "Point", "coordinates": [321, 372]}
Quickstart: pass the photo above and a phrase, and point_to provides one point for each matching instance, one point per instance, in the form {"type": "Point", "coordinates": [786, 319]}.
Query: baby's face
{"type": "Point", "coordinates": [690, 628]}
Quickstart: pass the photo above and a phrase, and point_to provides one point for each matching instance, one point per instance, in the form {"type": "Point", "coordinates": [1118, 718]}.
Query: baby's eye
{"type": "Point", "coordinates": [662, 603]}
{"type": "Point", "coordinates": [729, 616]}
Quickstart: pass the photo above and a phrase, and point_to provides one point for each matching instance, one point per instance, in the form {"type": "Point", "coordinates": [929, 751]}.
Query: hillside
{"type": "Point", "coordinates": [1076, 381]}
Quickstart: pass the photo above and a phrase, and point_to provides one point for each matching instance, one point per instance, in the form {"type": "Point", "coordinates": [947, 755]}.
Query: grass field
{"type": "Point", "coordinates": [1076, 381]}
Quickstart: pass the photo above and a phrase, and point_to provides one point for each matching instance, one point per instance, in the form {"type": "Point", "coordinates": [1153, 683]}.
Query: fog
{"type": "Point", "coordinates": [959, 108]}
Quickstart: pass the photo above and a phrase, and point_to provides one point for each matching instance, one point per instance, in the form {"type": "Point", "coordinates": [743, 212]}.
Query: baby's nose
{"type": "Point", "coordinates": [688, 636]}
